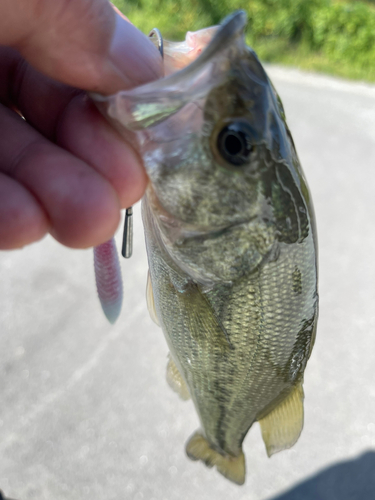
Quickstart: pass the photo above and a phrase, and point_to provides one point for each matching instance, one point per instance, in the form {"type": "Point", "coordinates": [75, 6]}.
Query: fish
{"type": "Point", "coordinates": [231, 241]}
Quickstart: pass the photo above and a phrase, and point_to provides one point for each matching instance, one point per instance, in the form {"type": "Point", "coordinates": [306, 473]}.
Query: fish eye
{"type": "Point", "coordinates": [234, 143]}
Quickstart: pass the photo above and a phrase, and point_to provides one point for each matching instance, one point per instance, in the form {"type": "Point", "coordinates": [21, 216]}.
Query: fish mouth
{"type": "Point", "coordinates": [231, 27]}
{"type": "Point", "coordinates": [150, 104]}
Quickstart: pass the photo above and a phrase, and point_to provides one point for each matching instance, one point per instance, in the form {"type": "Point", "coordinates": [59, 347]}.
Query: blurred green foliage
{"type": "Point", "coordinates": [346, 31]}
{"type": "Point", "coordinates": [334, 36]}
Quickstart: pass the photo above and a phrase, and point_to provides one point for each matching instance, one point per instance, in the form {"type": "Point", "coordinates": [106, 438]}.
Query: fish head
{"type": "Point", "coordinates": [208, 134]}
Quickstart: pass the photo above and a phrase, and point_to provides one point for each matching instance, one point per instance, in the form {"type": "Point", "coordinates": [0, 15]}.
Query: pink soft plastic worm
{"type": "Point", "coordinates": [108, 279]}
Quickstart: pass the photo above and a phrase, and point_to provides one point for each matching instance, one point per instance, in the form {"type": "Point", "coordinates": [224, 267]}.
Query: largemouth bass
{"type": "Point", "coordinates": [230, 238]}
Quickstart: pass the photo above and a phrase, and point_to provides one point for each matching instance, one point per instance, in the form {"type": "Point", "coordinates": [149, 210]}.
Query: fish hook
{"type": "Point", "coordinates": [159, 38]}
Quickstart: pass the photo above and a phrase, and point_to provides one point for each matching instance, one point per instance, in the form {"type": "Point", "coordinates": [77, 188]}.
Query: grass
{"type": "Point", "coordinates": [175, 18]}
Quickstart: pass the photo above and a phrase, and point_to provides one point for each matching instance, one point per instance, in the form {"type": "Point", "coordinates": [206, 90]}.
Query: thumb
{"type": "Point", "coordinates": [83, 43]}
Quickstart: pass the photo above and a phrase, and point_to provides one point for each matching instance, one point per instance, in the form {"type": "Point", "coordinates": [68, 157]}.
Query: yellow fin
{"type": "Point", "coordinates": [175, 380]}
{"type": "Point", "coordinates": [282, 427]}
{"type": "Point", "coordinates": [150, 300]}
{"type": "Point", "coordinates": [233, 468]}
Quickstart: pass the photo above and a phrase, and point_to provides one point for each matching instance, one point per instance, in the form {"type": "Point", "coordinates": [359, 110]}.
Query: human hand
{"type": "Point", "coordinates": [65, 170]}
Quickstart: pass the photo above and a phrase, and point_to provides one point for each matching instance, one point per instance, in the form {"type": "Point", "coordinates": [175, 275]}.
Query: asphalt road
{"type": "Point", "coordinates": [85, 409]}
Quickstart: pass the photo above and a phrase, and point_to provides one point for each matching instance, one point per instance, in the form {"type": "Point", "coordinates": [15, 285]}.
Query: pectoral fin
{"type": "Point", "coordinates": [151, 301]}
{"type": "Point", "coordinates": [204, 325]}
{"type": "Point", "coordinates": [282, 427]}
{"type": "Point", "coordinates": [175, 380]}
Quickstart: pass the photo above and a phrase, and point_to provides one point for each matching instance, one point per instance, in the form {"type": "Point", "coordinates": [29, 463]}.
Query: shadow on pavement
{"type": "Point", "coordinates": [352, 480]}
{"type": "Point", "coordinates": [2, 497]}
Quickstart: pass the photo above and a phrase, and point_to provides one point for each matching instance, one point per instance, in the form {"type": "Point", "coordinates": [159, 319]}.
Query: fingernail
{"type": "Point", "coordinates": [134, 55]}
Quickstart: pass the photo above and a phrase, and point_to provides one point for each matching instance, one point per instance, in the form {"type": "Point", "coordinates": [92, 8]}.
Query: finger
{"type": "Point", "coordinates": [85, 133]}
{"type": "Point", "coordinates": [83, 43]}
{"type": "Point", "coordinates": [22, 220]}
{"type": "Point", "coordinates": [67, 117]}
{"type": "Point", "coordinates": [82, 207]}
{"type": "Point", "coordinates": [39, 98]}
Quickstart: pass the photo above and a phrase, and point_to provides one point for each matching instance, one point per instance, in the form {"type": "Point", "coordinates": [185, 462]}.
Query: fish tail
{"type": "Point", "coordinates": [233, 468]}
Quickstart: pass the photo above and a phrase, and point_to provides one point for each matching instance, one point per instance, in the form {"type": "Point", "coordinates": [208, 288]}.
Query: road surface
{"type": "Point", "coordinates": [85, 409]}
